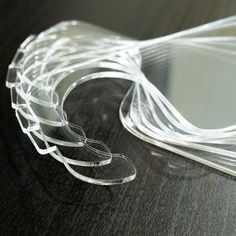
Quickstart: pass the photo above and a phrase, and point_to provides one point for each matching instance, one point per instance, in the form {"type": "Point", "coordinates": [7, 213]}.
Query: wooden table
{"type": "Point", "coordinates": [171, 194]}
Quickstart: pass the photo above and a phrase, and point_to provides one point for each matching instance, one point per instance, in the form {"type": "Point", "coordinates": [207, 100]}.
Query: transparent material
{"type": "Point", "coordinates": [38, 95]}
{"type": "Point", "coordinates": [181, 99]}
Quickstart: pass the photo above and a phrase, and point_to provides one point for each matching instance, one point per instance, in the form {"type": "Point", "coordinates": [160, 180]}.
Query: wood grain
{"type": "Point", "coordinates": [171, 195]}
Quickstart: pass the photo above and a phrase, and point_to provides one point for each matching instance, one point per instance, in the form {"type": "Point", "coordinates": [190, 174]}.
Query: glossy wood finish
{"type": "Point", "coordinates": [170, 196]}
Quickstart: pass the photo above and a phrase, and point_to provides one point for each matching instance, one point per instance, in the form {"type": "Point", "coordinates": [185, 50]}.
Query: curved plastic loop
{"type": "Point", "coordinates": [38, 100]}
{"type": "Point", "coordinates": [48, 67]}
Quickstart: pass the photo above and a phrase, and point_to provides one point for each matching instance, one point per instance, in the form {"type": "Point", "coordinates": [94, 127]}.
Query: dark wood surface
{"type": "Point", "coordinates": [170, 196]}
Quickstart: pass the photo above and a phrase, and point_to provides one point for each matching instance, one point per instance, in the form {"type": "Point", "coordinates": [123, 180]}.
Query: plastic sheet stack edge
{"type": "Point", "coordinates": [47, 67]}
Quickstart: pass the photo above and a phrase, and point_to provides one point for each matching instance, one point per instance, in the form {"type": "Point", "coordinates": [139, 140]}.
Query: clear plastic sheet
{"type": "Point", "coordinates": [174, 101]}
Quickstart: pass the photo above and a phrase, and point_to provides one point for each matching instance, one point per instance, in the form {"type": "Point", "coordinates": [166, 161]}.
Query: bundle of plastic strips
{"type": "Point", "coordinates": [173, 102]}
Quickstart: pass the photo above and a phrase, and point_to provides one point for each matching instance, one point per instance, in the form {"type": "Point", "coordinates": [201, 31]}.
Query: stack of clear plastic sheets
{"type": "Point", "coordinates": [182, 96]}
